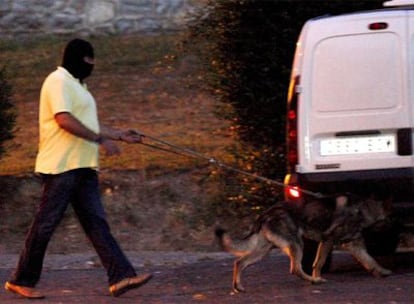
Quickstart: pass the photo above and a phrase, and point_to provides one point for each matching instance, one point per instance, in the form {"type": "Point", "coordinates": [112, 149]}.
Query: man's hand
{"type": "Point", "coordinates": [131, 137]}
{"type": "Point", "coordinates": [108, 142]}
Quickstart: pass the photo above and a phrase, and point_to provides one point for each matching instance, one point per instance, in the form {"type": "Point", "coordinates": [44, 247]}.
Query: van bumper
{"type": "Point", "coordinates": [360, 175]}
{"type": "Point", "coordinates": [397, 184]}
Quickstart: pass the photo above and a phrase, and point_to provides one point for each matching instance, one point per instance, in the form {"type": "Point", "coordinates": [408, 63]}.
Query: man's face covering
{"type": "Point", "coordinates": [74, 58]}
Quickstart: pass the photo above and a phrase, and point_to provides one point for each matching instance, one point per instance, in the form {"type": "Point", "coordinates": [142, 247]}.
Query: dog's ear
{"type": "Point", "coordinates": [341, 201]}
{"type": "Point", "coordinates": [219, 232]}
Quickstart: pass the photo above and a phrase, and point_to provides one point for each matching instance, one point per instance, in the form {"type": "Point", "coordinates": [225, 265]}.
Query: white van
{"type": "Point", "coordinates": [351, 104]}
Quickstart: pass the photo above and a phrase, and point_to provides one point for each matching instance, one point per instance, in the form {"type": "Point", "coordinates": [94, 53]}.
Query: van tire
{"type": "Point", "coordinates": [382, 239]}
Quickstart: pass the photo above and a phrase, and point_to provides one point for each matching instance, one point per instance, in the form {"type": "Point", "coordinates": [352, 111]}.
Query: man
{"type": "Point", "coordinates": [70, 136]}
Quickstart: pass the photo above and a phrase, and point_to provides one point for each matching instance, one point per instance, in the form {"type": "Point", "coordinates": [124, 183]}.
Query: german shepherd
{"type": "Point", "coordinates": [337, 220]}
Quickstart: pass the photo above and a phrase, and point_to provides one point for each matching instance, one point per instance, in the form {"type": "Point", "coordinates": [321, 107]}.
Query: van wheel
{"type": "Point", "coordinates": [309, 253]}
{"type": "Point", "coordinates": [383, 238]}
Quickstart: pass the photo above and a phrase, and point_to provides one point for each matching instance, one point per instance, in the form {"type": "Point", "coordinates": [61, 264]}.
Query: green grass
{"type": "Point", "coordinates": [140, 82]}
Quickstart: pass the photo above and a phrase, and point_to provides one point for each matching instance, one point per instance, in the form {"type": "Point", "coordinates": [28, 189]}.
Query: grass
{"type": "Point", "coordinates": [140, 82]}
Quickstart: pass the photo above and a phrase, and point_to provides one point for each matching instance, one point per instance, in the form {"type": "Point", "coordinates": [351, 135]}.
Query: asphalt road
{"type": "Point", "coordinates": [208, 280]}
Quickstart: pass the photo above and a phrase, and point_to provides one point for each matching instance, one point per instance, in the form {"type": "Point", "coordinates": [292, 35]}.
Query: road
{"type": "Point", "coordinates": [208, 280]}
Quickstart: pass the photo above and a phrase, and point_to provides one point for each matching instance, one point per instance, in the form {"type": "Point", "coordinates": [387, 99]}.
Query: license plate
{"type": "Point", "coordinates": [358, 145]}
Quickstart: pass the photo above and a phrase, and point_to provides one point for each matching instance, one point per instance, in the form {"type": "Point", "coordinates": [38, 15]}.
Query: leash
{"type": "Point", "coordinates": [191, 153]}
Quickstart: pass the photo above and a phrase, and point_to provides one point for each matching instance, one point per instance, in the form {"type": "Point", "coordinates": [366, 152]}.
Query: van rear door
{"type": "Point", "coordinates": [355, 98]}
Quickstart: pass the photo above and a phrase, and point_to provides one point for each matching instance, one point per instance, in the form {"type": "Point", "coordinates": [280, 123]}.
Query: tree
{"type": "Point", "coordinates": [7, 111]}
{"type": "Point", "coordinates": [247, 47]}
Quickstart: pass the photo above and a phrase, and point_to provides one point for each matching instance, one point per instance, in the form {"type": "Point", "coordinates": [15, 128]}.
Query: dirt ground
{"type": "Point", "coordinates": [168, 212]}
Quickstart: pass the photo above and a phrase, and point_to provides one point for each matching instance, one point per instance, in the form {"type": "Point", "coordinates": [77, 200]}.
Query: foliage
{"type": "Point", "coordinates": [7, 113]}
{"type": "Point", "coordinates": [247, 48]}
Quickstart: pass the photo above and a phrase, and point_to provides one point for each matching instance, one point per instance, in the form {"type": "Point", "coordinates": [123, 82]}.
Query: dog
{"type": "Point", "coordinates": [337, 220]}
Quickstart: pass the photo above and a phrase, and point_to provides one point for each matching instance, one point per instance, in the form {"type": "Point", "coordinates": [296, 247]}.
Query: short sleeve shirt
{"type": "Point", "coordinates": [59, 150]}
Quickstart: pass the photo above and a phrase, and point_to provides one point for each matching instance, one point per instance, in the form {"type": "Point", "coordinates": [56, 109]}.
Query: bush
{"type": "Point", "coordinates": [7, 111]}
{"type": "Point", "coordinates": [247, 49]}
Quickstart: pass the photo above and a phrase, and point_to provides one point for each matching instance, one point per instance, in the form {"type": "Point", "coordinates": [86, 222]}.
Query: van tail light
{"type": "Point", "coordinates": [292, 191]}
{"type": "Point", "coordinates": [292, 125]}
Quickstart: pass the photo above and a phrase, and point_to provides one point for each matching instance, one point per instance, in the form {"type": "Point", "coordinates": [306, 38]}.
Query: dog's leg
{"type": "Point", "coordinates": [324, 249]}
{"type": "Point", "coordinates": [293, 248]}
{"type": "Point", "coordinates": [359, 252]}
{"type": "Point", "coordinates": [252, 257]}
{"type": "Point", "coordinates": [295, 253]}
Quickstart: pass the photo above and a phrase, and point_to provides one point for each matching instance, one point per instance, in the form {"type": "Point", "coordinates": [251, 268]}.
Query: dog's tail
{"type": "Point", "coordinates": [237, 248]}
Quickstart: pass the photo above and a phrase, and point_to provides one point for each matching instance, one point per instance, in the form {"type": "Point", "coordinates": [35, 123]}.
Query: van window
{"type": "Point", "coordinates": [357, 72]}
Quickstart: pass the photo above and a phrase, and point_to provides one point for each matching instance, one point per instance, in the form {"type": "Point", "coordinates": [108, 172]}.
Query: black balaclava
{"type": "Point", "coordinates": [73, 58]}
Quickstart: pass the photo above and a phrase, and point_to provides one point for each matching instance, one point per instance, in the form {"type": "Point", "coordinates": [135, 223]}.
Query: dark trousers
{"type": "Point", "coordinates": [81, 189]}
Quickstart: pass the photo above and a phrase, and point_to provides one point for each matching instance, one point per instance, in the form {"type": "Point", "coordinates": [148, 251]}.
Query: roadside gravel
{"type": "Point", "coordinates": [89, 260]}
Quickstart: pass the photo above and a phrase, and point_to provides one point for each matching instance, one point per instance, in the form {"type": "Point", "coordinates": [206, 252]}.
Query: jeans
{"type": "Point", "coordinates": [79, 187]}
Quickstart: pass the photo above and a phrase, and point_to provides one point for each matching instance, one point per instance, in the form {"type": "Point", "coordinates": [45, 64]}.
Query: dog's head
{"type": "Point", "coordinates": [369, 210]}
{"type": "Point", "coordinates": [353, 214]}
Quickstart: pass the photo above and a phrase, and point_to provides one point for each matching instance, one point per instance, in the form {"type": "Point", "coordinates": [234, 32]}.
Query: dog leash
{"type": "Point", "coordinates": [182, 151]}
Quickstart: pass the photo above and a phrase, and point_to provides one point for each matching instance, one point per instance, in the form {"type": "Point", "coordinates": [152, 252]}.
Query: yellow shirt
{"type": "Point", "coordinates": [60, 151]}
